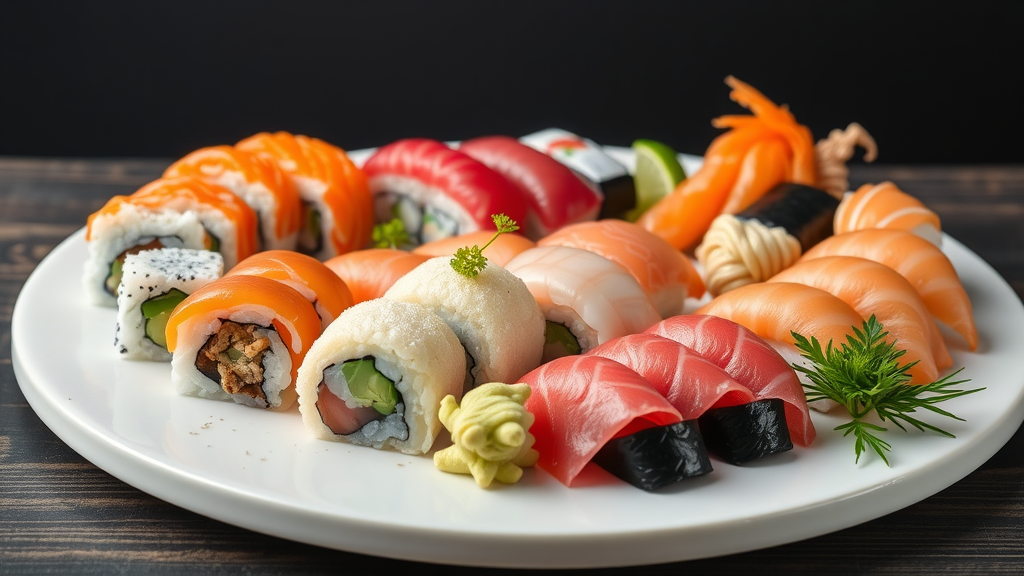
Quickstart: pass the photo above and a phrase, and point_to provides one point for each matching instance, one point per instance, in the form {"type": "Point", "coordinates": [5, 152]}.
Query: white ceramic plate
{"type": "Point", "coordinates": [262, 471]}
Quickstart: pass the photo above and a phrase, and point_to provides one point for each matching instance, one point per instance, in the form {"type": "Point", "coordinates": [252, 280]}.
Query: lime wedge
{"type": "Point", "coordinates": [657, 173]}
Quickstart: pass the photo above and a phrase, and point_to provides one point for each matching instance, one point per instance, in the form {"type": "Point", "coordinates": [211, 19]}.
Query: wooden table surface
{"type": "Point", "coordinates": [60, 514]}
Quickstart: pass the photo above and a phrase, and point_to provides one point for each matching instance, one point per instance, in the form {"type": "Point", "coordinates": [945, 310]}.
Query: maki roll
{"type": "Point", "coordinates": [589, 408]}
{"type": "Point", "coordinates": [585, 298]}
{"type": "Point", "coordinates": [166, 213]}
{"type": "Point", "coordinates": [337, 210]}
{"type": "Point", "coordinates": [376, 377]}
{"type": "Point", "coordinates": [153, 283]}
{"type": "Point", "coordinates": [328, 293]}
{"type": "Point", "coordinates": [766, 238]}
{"type": "Point", "coordinates": [554, 195]}
{"type": "Point", "coordinates": [241, 338]}
{"type": "Point", "coordinates": [493, 314]}
{"type": "Point", "coordinates": [438, 192]}
{"type": "Point", "coordinates": [257, 180]}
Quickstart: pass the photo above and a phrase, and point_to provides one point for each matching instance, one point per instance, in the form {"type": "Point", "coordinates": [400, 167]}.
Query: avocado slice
{"type": "Point", "coordinates": [369, 386]}
{"type": "Point", "coordinates": [157, 311]}
{"type": "Point", "coordinates": [559, 341]}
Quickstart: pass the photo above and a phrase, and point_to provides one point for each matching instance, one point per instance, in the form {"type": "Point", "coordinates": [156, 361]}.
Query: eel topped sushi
{"type": "Point", "coordinates": [377, 375]}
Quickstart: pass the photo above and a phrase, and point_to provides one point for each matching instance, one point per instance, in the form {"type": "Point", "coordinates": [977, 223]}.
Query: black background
{"type": "Point", "coordinates": [934, 82]}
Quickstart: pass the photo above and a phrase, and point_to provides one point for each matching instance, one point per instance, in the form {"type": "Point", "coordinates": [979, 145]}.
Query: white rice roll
{"type": "Point", "coordinates": [155, 275]}
{"type": "Point", "coordinates": [595, 298]}
{"type": "Point", "coordinates": [411, 347]}
{"type": "Point", "coordinates": [112, 233]}
{"type": "Point", "coordinates": [493, 314]}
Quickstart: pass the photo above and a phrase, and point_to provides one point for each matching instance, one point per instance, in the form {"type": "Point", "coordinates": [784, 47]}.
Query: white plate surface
{"type": "Point", "coordinates": [262, 471]}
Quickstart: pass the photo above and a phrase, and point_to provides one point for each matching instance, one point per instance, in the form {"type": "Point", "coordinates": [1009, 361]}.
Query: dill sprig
{"type": "Point", "coordinates": [390, 234]}
{"type": "Point", "coordinates": [471, 261]}
{"type": "Point", "coordinates": [865, 375]}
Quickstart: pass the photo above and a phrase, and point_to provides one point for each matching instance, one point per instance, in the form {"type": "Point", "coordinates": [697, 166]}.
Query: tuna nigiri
{"type": "Point", "coordinates": [663, 272]}
{"type": "Point", "coordinates": [919, 261]}
{"type": "Point", "coordinates": [747, 358]}
{"type": "Point", "coordinates": [581, 403]}
{"type": "Point", "coordinates": [870, 289]}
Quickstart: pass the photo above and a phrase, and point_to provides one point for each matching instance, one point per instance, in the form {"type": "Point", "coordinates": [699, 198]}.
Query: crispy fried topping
{"type": "Point", "coordinates": [234, 357]}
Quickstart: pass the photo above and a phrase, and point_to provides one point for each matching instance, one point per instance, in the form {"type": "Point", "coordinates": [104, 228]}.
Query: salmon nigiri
{"type": "Point", "coordinates": [369, 273]}
{"type": "Point", "coordinates": [886, 206]}
{"type": "Point", "coordinates": [504, 247]}
{"type": "Point", "coordinates": [663, 272]}
{"type": "Point", "coordinates": [919, 261]}
{"type": "Point", "coordinates": [870, 289]}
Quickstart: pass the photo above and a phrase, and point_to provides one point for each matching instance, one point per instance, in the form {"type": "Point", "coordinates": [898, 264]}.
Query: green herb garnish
{"type": "Point", "coordinates": [390, 234]}
{"type": "Point", "coordinates": [865, 376]}
{"type": "Point", "coordinates": [471, 261]}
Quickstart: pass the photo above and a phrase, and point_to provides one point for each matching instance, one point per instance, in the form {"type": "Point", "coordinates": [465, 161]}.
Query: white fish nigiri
{"type": "Point", "coordinates": [584, 294]}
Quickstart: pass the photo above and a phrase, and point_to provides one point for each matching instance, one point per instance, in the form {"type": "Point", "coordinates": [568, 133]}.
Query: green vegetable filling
{"type": "Point", "coordinates": [559, 341]}
{"type": "Point", "coordinates": [157, 311]}
{"type": "Point", "coordinates": [368, 386]}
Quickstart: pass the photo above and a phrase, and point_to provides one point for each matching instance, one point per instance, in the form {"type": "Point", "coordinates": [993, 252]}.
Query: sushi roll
{"type": "Point", "coordinates": [242, 339]}
{"type": "Point", "coordinates": [493, 314]}
{"type": "Point", "coordinates": [766, 238]}
{"type": "Point", "coordinates": [327, 292]}
{"type": "Point", "coordinates": [666, 274]}
{"type": "Point", "coordinates": [257, 180]}
{"type": "Point", "coordinates": [438, 192]}
{"type": "Point", "coordinates": [370, 273]}
{"type": "Point", "coordinates": [153, 283]}
{"type": "Point", "coordinates": [554, 195]}
{"type": "Point", "coordinates": [585, 298]}
{"type": "Point", "coordinates": [886, 206]}
{"type": "Point", "coordinates": [377, 376]}
{"type": "Point", "coordinates": [589, 408]}
{"type": "Point", "coordinates": [337, 212]}
{"type": "Point", "coordinates": [166, 213]}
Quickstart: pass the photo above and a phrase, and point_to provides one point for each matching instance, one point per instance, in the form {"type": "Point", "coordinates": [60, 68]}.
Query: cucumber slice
{"type": "Point", "coordinates": [559, 341]}
{"type": "Point", "coordinates": [368, 386]}
{"type": "Point", "coordinates": [157, 311]}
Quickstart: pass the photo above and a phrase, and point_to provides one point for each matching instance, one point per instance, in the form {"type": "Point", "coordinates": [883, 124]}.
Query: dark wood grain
{"type": "Point", "coordinates": [60, 514]}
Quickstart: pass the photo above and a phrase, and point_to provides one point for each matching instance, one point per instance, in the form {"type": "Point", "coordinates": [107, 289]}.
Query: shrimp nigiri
{"type": "Point", "coordinates": [586, 299]}
{"type": "Point", "coordinates": [870, 289]}
{"type": "Point", "coordinates": [919, 261]}
{"type": "Point", "coordinates": [886, 206]}
{"type": "Point", "coordinates": [665, 274]}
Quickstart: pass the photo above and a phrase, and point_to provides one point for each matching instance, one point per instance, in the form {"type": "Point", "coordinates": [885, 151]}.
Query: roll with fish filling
{"type": "Point", "coordinates": [241, 338]}
{"type": "Point", "coordinates": [377, 375]}
{"type": "Point", "coordinates": [153, 283]}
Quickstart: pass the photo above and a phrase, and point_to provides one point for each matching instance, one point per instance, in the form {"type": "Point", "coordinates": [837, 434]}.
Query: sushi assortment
{"type": "Point", "coordinates": [571, 338]}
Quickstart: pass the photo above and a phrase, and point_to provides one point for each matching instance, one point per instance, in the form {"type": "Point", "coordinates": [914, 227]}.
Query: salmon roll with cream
{"type": "Point", "coordinates": [257, 180]}
{"type": "Point", "coordinates": [166, 213]}
{"type": "Point", "coordinates": [241, 338]}
{"type": "Point", "coordinates": [337, 208]}
{"type": "Point", "coordinates": [328, 293]}
{"type": "Point", "coordinates": [376, 377]}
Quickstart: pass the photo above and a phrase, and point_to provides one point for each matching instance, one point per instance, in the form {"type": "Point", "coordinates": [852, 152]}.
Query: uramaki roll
{"type": "Point", "coordinates": [241, 338]}
{"type": "Point", "coordinates": [377, 375]}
